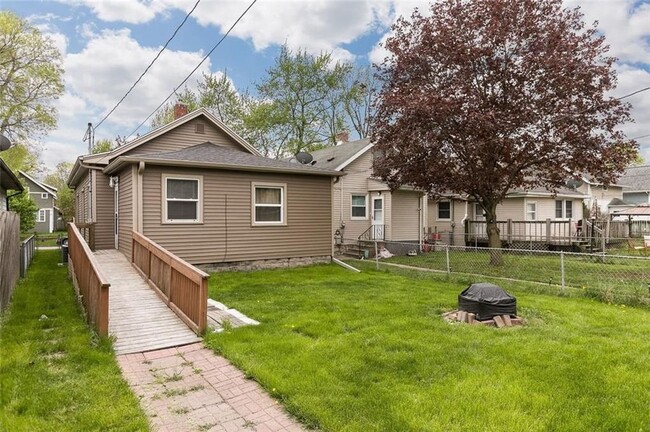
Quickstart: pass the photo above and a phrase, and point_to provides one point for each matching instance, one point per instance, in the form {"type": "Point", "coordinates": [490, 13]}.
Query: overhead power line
{"type": "Point", "coordinates": [187, 16]}
{"type": "Point", "coordinates": [633, 93]}
{"type": "Point", "coordinates": [642, 136]}
{"type": "Point", "coordinates": [196, 68]}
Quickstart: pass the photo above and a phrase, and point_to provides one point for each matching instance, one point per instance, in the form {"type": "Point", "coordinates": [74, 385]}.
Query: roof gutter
{"type": "Point", "coordinates": [120, 161]}
{"type": "Point", "coordinates": [75, 171]}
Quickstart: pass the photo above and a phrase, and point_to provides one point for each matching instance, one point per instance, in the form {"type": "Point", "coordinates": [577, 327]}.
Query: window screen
{"type": "Point", "coordinates": [182, 199]}
{"type": "Point", "coordinates": [269, 204]}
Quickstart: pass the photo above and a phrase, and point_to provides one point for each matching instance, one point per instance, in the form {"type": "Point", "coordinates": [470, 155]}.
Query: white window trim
{"type": "Point", "coordinates": [365, 195]}
{"type": "Point", "coordinates": [564, 203]}
{"type": "Point", "coordinates": [199, 200]}
{"type": "Point", "coordinates": [44, 195]}
{"type": "Point", "coordinates": [40, 219]}
{"type": "Point", "coordinates": [283, 203]}
{"type": "Point", "coordinates": [438, 218]}
{"type": "Point", "coordinates": [526, 212]}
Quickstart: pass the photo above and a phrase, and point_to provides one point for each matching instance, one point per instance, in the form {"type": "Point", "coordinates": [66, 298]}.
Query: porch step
{"type": "Point", "coordinates": [353, 250]}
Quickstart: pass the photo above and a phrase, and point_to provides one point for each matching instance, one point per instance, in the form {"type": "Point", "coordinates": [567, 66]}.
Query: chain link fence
{"type": "Point", "coordinates": [614, 278]}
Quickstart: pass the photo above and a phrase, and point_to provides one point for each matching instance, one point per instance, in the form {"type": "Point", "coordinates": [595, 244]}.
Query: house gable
{"type": "Point", "coordinates": [37, 186]}
{"type": "Point", "coordinates": [195, 131]}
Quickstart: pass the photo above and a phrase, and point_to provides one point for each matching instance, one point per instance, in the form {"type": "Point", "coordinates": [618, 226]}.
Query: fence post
{"type": "Point", "coordinates": [562, 269]}
{"type": "Point", "coordinates": [509, 231]}
{"type": "Point", "coordinates": [447, 259]}
{"type": "Point", "coordinates": [376, 256]}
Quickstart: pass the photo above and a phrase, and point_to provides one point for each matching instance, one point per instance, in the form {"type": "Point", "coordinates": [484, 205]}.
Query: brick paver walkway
{"type": "Point", "coordinates": [189, 388]}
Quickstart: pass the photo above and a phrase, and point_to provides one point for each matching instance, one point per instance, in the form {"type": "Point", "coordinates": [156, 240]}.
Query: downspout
{"type": "Point", "coordinates": [140, 199]}
{"type": "Point", "coordinates": [462, 222]}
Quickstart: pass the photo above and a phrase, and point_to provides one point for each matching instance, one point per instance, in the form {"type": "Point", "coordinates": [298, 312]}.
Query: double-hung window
{"type": "Point", "coordinates": [359, 206]}
{"type": "Point", "coordinates": [44, 195]}
{"type": "Point", "coordinates": [269, 204]}
{"type": "Point", "coordinates": [182, 199]}
{"type": "Point", "coordinates": [531, 211]}
{"type": "Point", "coordinates": [444, 210]}
{"type": "Point", "coordinates": [40, 215]}
{"type": "Point", "coordinates": [563, 209]}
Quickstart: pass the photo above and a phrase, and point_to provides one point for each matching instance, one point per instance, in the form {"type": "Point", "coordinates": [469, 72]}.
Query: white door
{"type": "Point", "coordinates": [378, 218]}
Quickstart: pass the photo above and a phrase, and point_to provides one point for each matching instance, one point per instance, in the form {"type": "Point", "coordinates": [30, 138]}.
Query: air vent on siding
{"type": "Point", "coordinates": [199, 128]}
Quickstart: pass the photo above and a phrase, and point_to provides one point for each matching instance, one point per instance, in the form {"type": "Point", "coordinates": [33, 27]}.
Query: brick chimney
{"type": "Point", "coordinates": [180, 110]}
{"type": "Point", "coordinates": [342, 137]}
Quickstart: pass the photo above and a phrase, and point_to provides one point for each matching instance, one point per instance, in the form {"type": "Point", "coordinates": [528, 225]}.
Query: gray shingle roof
{"type": "Point", "coordinates": [332, 157]}
{"type": "Point", "coordinates": [212, 154]}
{"type": "Point", "coordinates": [636, 178]}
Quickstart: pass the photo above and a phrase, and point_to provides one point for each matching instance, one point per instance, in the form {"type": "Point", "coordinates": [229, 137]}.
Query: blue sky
{"type": "Point", "coordinates": [107, 44]}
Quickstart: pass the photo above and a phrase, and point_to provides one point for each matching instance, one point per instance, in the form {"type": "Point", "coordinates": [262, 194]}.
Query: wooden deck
{"type": "Point", "coordinates": [138, 319]}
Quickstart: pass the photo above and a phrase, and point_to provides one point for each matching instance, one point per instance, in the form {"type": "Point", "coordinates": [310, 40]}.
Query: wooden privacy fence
{"type": "Point", "coordinates": [9, 255]}
{"type": "Point", "coordinates": [181, 285]}
{"type": "Point", "coordinates": [89, 282]}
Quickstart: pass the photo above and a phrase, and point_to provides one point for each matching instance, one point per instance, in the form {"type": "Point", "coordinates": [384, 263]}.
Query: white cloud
{"type": "Point", "coordinates": [312, 25]}
{"type": "Point", "coordinates": [128, 11]}
{"type": "Point", "coordinates": [102, 83]}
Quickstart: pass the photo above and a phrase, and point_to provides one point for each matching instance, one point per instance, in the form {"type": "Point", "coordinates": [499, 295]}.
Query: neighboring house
{"type": "Point", "coordinates": [637, 182]}
{"type": "Point", "coordinates": [529, 211]}
{"type": "Point", "coordinates": [48, 217]}
{"type": "Point", "coordinates": [364, 205]}
{"type": "Point", "coordinates": [8, 182]}
{"type": "Point", "coordinates": [202, 192]}
{"type": "Point", "coordinates": [599, 196]}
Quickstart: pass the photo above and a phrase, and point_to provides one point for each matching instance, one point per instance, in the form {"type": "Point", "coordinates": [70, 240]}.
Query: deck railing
{"type": "Point", "coordinates": [547, 231]}
{"type": "Point", "coordinates": [181, 285]}
{"type": "Point", "coordinates": [87, 231]}
{"type": "Point", "coordinates": [89, 282]}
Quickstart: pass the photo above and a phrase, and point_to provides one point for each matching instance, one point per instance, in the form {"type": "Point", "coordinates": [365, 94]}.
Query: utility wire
{"type": "Point", "coordinates": [633, 93]}
{"type": "Point", "coordinates": [150, 64]}
{"type": "Point", "coordinates": [196, 68]}
{"type": "Point", "coordinates": [639, 137]}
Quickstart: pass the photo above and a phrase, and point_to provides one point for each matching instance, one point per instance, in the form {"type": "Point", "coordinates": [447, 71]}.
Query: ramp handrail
{"type": "Point", "coordinates": [89, 282]}
{"type": "Point", "coordinates": [183, 287]}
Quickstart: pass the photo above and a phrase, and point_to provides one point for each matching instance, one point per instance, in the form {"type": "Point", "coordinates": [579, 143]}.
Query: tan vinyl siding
{"type": "Point", "coordinates": [81, 195]}
{"type": "Point", "coordinates": [104, 211]}
{"type": "Point", "coordinates": [405, 215]}
{"type": "Point", "coordinates": [125, 211]}
{"type": "Point", "coordinates": [457, 215]}
{"type": "Point", "coordinates": [307, 233]}
{"type": "Point", "coordinates": [514, 208]}
{"type": "Point", "coordinates": [355, 181]}
{"type": "Point", "coordinates": [185, 136]}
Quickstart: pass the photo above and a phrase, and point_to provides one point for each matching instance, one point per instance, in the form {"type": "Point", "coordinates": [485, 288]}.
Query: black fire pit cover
{"type": "Point", "coordinates": [487, 300]}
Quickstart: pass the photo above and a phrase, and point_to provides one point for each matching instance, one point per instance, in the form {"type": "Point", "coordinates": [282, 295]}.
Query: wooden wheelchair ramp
{"type": "Point", "coordinates": [137, 317]}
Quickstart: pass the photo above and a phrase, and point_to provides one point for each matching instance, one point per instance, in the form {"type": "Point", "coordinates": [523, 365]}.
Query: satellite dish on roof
{"type": "Point", "coordinates": [4, 143]}
{"type": "Point", "coordinates": [304, 157]}
{"type": "Point", "coordinates": [573, 183]}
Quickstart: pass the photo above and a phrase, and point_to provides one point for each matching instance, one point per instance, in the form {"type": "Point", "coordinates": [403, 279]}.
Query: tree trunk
{"type": "Point", "coordinates": [494, 239]}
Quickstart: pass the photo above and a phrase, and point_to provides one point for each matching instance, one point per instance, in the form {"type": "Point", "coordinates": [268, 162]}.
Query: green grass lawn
{"type": "Point", "coordinates": [614, 279]}
{"type": "Point", "coordinates": [54, 374]}
{"type": "Point", "coordinates": [370, 352]}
